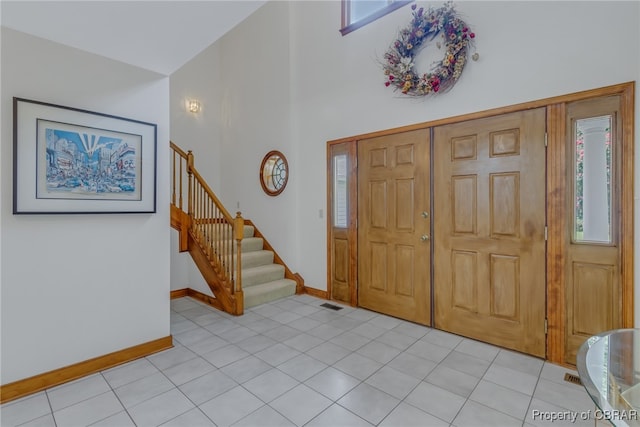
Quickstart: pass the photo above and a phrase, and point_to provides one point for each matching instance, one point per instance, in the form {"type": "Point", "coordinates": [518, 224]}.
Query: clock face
{"type": "Point", "coordinates": [274, 173]}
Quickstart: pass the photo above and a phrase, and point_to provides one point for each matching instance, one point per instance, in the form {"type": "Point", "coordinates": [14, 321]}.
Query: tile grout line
{"type": "Point", "coordinates": [117, 397]}
{"type": "Point", "coordinates": [55, 422]}
{"type": "Point", "coordinates": [368, 321]}
{"type": "Point", "coordinates": [325, 322]}
{"type": "Point", "coordinates": [324, 341]}
{"type": "Point", "coordinates": [413, 389]}
{"type": "Point", "coordinates": [238, 384]}
{"type": "Point", "coordinates": [476, 386]}
{"type": "Point", "coordinates": [193, 379]}
{"type": "Point", "coordinates": [526, 415]}
{"type": "Point", "coordinates": [161, 371]}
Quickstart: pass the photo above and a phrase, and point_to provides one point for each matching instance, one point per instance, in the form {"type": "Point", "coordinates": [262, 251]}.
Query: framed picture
{"type": "Point", "coordinates": [67, 160]}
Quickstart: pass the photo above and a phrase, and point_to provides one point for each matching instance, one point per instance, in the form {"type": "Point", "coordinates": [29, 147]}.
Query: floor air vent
{"type": "Point", "coordinates": [574, 379]}
{"type": "Point", "coordinates": [331, 306]}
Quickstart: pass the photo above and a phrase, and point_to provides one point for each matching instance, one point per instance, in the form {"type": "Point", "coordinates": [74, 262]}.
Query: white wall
{"type": "Point", "coordinates": [245, 115]}
{"type": "Point", "coordinates": [75, 287]}
{"type": "Point", "coordinates": [287, 68]}
{"type": "Point", "coordinates": [201, 132]}
{"type": "Point", "coordinates": [256, 112]}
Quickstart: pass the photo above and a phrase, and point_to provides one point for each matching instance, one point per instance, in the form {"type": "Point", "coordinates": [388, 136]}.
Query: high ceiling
{"type": "Point", "coordinates": [160, 36]}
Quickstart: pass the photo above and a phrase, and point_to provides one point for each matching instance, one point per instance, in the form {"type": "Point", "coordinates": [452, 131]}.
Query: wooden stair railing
{"type": "Point", "coordinates": [208, 231]}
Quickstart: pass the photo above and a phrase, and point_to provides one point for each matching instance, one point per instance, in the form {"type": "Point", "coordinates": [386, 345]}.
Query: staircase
{"type": "Point", "coordinates": [240, 266]}
{"type": "Point", "coordinates": [262, 279]}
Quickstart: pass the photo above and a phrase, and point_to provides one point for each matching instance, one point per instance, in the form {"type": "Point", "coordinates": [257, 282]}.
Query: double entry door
{"type": "Point", "coordinates": [450, 229]}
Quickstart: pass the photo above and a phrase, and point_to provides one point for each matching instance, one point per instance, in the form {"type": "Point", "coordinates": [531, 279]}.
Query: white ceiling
{"type": "Point", "coordinates": [160, 36]}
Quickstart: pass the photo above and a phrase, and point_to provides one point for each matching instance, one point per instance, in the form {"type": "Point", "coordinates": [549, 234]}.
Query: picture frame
{"type": "Point", "coordinates": [72, 161]}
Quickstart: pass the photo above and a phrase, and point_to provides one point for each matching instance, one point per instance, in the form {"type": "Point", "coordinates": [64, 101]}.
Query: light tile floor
{"type": "Point", "coordinates": [295, 363]}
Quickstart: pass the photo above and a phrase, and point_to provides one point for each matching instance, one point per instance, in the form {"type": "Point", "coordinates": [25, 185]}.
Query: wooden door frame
{"type": "Point", "coordinates": [557, 211]}
{"type": "Point", "coordinates": [555, 206]}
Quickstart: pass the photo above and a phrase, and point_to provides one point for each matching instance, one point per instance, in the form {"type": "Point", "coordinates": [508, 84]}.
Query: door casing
{"type": "Point", "coordinates": [556, 209]}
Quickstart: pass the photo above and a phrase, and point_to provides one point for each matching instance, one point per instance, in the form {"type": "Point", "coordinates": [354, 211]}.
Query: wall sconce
{"type": "Point", "coordinates": [193, 105]}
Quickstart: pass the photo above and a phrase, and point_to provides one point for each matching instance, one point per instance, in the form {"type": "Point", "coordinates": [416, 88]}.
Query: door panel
{"type": "Point", "coordinates": [489, 213]}
{"type": "Point", "coordinates": [340, 276]}
{"type": "Point", "coordinates": [394, 264]}
{"type": "Point", "coordinates": [342, 215]}
{"type": "Point", "coordinates": [593, 276]}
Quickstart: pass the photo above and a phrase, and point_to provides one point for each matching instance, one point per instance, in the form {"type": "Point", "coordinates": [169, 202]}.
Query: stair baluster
{"type": "Point", "coordinates": [215, 241]}
{"type": "Point", "coordinates": [214, 232]}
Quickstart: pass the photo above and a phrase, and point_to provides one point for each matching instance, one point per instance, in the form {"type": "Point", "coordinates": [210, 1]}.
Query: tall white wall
{"type": "Point", "coordinates": [245, 115]}
{"type": "Point", "coordinates": [200, 132]}
{"type": "Point", "coordinates": [291, 81]}
{"type": "Point", "coordinates": [256, 119]}
{"type": "Point", "coordinates": [74, 287]}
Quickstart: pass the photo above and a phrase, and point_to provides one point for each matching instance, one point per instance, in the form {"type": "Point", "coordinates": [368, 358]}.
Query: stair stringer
{"type": "Point", "coordinates": [181, 222]}
{"type": "Point", "coordinates": [224, 299]}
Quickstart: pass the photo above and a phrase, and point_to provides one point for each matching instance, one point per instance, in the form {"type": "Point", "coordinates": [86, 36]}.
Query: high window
{"type": "Point", "coordinates": [358, 13]}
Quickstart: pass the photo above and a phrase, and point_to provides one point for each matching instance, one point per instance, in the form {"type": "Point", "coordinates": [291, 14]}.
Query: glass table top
{"type": "Point", "coordinates": [609, 367]}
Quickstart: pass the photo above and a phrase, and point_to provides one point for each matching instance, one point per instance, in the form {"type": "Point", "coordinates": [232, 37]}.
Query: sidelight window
{"type": "Point", "coordinates": [340, 194]}
{"type": "Point", "coordinates": [593, 183]}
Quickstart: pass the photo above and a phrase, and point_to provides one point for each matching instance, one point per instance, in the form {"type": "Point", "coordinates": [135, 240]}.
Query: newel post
{"type": "Point", "coordinates": [238, 226]}
{"type": "Point", "coordinates": [190, 174]}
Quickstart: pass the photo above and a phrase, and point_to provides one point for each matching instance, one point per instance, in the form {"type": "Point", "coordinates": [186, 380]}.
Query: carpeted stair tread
{"type": "Point", "coordinates": [248, 231]}
{"type": "Point", "coordinates": [262, 280]}
{"type": "Point", "coordinates": [261, 274]}
{"type": "Point", "coordinates": [256, 258]}
{"type": "Point", "coordinates": [250, 244]}
{"type": "Point", "coordinates": [256, 295]}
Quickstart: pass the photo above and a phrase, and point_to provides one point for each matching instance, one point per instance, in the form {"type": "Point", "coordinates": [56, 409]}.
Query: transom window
{"type": "Point", "coordinates": [358, 13]}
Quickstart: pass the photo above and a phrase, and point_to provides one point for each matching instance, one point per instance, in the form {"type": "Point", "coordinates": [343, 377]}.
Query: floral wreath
{"type": "Point", "coordinates": [398, 62]}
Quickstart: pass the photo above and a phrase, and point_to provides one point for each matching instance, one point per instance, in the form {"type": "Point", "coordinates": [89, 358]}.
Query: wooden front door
{"type": "Point", "coordinates": [489, 230]}
{"type": "Point", "coordinates": [394, 221]}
